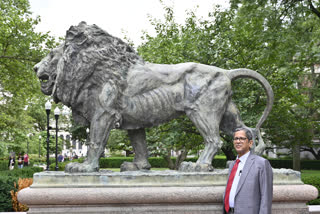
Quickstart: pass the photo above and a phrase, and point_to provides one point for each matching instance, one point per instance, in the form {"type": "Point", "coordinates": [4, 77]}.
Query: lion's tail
{"type": "Point", "coordinates": [247, 73]}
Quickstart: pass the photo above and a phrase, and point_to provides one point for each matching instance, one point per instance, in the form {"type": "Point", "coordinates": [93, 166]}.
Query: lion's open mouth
{"type": "Point", "coordinates": [47, 83]}
{"type": "Point", "coordinates": [44, 78]}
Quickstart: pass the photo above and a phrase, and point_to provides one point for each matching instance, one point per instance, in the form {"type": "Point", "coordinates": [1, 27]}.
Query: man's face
{"type": "Point", "coordinates": [241, 143]}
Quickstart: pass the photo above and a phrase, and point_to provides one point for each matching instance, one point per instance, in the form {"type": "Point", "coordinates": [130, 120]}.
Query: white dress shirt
{"type": "Point", "coordinates": [236, 179]}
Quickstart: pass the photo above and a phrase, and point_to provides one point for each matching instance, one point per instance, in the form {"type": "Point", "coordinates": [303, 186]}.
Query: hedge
{"type": "Point", "coordinates": [62, 165]}
{"type": "Point", "coordinates": [288, 164]}
{"type": "Point", "coordinates": [7, 180]}
{"type": "Point", "coordinates": [6, 185]}
{"type": "Point", "coordinates": [314, 181]}
{"type": "Point", "coordinates": [159, 162]}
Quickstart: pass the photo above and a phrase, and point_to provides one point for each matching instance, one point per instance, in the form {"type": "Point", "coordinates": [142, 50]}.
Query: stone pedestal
{"type": "Point", "coordinates": [152, 192]}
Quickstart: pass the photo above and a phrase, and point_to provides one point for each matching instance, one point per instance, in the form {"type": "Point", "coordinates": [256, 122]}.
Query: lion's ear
{"type": "Point", "coordinates": [76, 35]}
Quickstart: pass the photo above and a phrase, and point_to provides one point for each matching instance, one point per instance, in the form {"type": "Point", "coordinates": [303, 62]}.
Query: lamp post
{"type": "Point", "coordinates": [28, 135]}
{"type": "Point", "coordinates": [88, 139]}
{"type": "Point", "coordinates": [88, 135]}
{"type": "Point", "coordinates": [56, 115]}
{"type": "Point", "coordinates": [39, 144]}
{"type": "Point", "coordinates": [48, 109]}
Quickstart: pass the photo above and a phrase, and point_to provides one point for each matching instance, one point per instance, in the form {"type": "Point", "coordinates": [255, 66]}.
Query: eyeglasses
{"type": "Point", "coordinates": [241, 139]}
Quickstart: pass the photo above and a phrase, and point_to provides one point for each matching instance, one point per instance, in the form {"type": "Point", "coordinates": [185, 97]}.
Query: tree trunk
{"type": "Point", "coordinates": [169, 160]}
{"type": "Point", "coordinates": [296, 157]}
{"type": "Point", "coordinates": [181, 158]}
{"type": "Point", "coordinates": [229, 153]}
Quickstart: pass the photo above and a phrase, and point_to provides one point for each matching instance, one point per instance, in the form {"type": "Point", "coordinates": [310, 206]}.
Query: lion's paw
{"type": "Point", "coordinates": [135, 166]}
{"type": "Point", "coordinates": [128, 166]}
{"type": "Point", "coordinates": [195, 167]}
{"type": "Point", "coordinates": [143, 165]}
{"type": "Point", "coordinates": [81, 167]}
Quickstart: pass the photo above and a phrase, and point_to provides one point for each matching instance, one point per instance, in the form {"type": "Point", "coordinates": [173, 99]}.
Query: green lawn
{"type": "Point", "coordinates": [309, 173]}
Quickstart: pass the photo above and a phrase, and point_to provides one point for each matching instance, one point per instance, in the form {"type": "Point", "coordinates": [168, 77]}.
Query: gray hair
{"type": "Point", "coordinates": [246, 130]}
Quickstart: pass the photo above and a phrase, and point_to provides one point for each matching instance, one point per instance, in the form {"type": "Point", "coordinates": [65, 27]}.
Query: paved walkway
{"type": "Point", "coordinates": [314, 209]}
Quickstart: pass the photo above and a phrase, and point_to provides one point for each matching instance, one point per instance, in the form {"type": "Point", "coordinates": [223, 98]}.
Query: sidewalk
{"type": "Point", "coordinates": [314, 209]}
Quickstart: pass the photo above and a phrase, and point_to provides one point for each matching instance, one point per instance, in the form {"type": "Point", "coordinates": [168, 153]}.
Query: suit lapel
{"type": "Point", "coordinates": [245, 171]}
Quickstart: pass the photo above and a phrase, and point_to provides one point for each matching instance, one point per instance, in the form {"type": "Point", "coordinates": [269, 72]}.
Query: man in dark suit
{"type": "Point", "coordinates": [250, 182]}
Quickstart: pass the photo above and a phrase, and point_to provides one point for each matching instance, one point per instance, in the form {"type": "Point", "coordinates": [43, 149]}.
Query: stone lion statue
{"type": "Point", "coordinates": [107, 85]}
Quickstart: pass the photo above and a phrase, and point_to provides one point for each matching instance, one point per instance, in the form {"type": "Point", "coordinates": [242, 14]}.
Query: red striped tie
{"type": "Point", "coordinates": [229, 185]}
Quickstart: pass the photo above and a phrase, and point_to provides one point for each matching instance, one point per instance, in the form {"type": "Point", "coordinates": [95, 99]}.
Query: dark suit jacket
{"type": "Point", "coordinates": [255, 188]}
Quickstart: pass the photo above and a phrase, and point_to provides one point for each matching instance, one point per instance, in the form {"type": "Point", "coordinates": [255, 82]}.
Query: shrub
{"type": "Point", "coordinates": [62, 165]}
{"type": "Point", "coordinates": [26, 172]}
{"type": "Point", "coordinates": [114, 162]}
{"type": "Point", "coordinates": [6, 185]}
{"type": "Point", "coordinates": [159, 162]}
{"type": "Point", "coordinates": [3, 165]}
{"type": "Point", "coordinates": [22, 183]}
{"type": "Point", "coordinates": [314, 181]}
{"type": "Point", "coordinates": [288, 164]}
{"type": "Point", "coordinates": [8, 181]}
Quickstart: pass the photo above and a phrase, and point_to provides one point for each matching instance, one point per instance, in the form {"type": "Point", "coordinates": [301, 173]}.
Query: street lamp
{"type": "Point", "coordinates": [88, 135]}
{"type": "Point", "coordinates": [48, 109]}
{"type": "Point", "coordinates": [39, 144]}
{"type": "Point", "coordinates": [56, 115]}
{"type": "Point", "coordinates": [28, 135]}
{"type": "Point", "coordinates": [88, 138]}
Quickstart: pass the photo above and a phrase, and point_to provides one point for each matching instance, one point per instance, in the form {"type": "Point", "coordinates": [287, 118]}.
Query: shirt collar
{"type": "Point", "coordinates": [244, 157]}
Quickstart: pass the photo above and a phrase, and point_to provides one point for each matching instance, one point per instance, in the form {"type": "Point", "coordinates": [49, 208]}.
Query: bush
{"type": "Point", "coordinates": [62, 165]}
{"type": "Point", "coordinates": [4, 165]}
{"type": "Point", "coordinates": [310, 164]}
{"type": "Point", "coordinates": [114, 162]}
{"type": "Point", "coordinates": [25, 172]}
{"type": "Point", "coordinates": [288, 164]}
{"type": "Point", "coordinates": [314, 181]}
{"type": "Point", "coordinates": [159, 162]}
{"type": "Point", "coordinates": [6, 185]}
{"type": "Point", "coordinates": [8, 178]}
{"type": "Point", "coordinates": [22, 183]}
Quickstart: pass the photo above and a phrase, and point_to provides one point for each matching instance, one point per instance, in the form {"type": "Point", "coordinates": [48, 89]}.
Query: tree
{"type": "Point", "coordinates": [119, 141]}
{"type": "Point", "coordinates": [278, 41]}
{"type": "Point", "coordinates": [20, 48]}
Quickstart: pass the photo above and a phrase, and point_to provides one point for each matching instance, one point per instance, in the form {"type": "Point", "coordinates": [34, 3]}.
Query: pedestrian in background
{"type": "Point", "coordinates": [26, 159]}
{"type": "Point", "coordinates": [20, 161]}
{"type": "Point", "coordinates": [12, 161]}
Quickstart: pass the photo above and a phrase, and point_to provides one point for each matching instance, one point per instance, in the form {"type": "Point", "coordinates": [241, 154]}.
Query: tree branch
{"type": "Point", "coordinates": [313, 9]}
{"type": "Point", "coordinates": [17, 58]}
{"type": "Point", "coordinates": [312, 151]}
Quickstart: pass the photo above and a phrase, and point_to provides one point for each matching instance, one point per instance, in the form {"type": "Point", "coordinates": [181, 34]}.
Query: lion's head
{"type": "Point", "coordinates": [47, 69]}
{"type": "Point", "coordinates": [75, 72]}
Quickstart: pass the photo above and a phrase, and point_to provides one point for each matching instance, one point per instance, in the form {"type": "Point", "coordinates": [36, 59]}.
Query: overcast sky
{"type": "Point", "coordinates": [114, 16]}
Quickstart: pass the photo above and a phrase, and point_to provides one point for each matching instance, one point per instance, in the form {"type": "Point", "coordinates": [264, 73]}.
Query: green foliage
{"type": "Point", "coordinates": [25, 172]}
{"type": "Point", "coordinates": [288, 164]}
{"type": "Point", "coordinates": [7, 180]}
{"type": "Point", "coordinates": [314, 181]}
{"type": "Point", "coordinates": [277, 39]}
{"type": "Point", "coordinates": [114, 162]}
{"type": "Point", "coordinates": [156, 162]}
{"type": "Point", "coordinates": [20, 48]}
{"type": "Point", "coordinates": [119, 140]}
{"type": "Point", "coordinates": [6, 185]}
{"type": "Point", "coordinates": [62, 165]}
{"type": "Point", "coordinates": [4, 165]}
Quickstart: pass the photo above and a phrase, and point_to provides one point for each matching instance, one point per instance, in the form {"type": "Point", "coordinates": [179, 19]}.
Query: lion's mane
{"type": "Point", "coordinates": [91, 57]}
